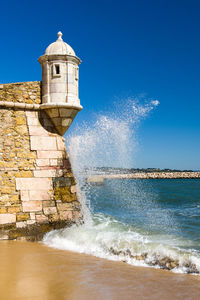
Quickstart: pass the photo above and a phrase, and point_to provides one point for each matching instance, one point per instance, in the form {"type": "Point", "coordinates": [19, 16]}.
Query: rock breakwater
{"type": "Point", "coordinates": [145, 175]}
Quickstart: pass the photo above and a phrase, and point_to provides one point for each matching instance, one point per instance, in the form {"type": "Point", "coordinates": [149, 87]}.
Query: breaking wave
{"type": "Point", "coordinates": [111, 239]}
{"type": "Point", "coordinates": [111, 141]}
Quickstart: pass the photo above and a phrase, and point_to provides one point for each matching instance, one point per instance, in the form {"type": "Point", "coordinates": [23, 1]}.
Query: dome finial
{"type": "Point", "coordinates": [60, 36]}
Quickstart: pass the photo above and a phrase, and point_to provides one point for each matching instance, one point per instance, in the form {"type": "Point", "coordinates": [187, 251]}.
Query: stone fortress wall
{"type": "Point", "coordinates": [37, 186]}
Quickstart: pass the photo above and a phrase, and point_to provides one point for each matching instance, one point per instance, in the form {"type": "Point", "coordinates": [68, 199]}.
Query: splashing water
{"type": "Point", "coordinates": [110, 140]}
{"type": "Point", "coordinates": [123, 220]}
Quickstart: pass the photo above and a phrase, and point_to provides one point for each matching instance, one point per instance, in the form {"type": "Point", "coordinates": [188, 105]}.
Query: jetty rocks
{"type": "Point", "coordinates": [99, 179]}
{"type": "Point", "coordinates": [141, 175]}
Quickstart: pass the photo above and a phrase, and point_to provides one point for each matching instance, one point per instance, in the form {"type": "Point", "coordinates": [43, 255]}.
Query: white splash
{"type": "Point", "coordinates": [111, 141]}
{"type": "Point", "coordinates": [108, 141]}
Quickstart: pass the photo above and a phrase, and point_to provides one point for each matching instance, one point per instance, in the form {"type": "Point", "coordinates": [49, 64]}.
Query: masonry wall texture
{"type": "Point", "coordinates": [37, 186]}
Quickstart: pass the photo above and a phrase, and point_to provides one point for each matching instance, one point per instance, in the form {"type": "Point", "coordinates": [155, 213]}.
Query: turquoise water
{"type": "Point", "coordinates": [152, 223]}
{"type": "Point", "coordinates": [152, 206]}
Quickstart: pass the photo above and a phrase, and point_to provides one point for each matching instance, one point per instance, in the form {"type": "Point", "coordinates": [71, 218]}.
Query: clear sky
{"type": "Point", "coordinates": [128, 48]}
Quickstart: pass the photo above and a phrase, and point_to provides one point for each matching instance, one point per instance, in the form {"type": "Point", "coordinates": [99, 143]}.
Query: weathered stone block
{"type": "Point", "coordinates": [65, 112]}
{"type": "Point", "coordinates": [49, 154]}
{"type": "Point", "coordinates": [64, 194]}
{"type": "Point", "coordinates": [31, 206]}
{"type": "Point", "coordinates": [23, 217]}
{"type": "Point", "coordinates": [24, 174]}
{"type": "Point", "coordinates": [66, 215]}
{"type": "Point", "coordinates": [32, 121]}
{"type": "Point", "coordinates": [60, 143]}
{"type": "Point", "coordinates": [7, 218]}
{"type": "Point", "coordinates": [32, 114]}
{"type": "Point", "coordinates": [33, 183]}
{"type": "Point", "coordinates": [24, 195]}
{"type": "Point", "coordinates": [53, 113]}
{"type": "Point", "coordinates": [32, 216]}
{"type": "Point", "coordinates": [43, 143]}
{"type": "Point", "coordinates": [48, 203]}
{"type": "Point", "coordinates": [14, 209]}
{"type": "Point", "coordinates": [41, 219]}
{"type": "Point", "coordinates": [21, 224]}
{"type": "Point", "coordinates": [61, 182]}
{"type": "Point", "coordinates": [38, 131]}
{"type": "Point", "coordinates": [64, 206]}
{"type": "Point", "coordinates": [53, 162]}
{"type": "Point", "coordinates": [40, 195]}
{"type": "Point", "coordinates": [45, 173]}
{"type": "Point", "coordinates": [41, 162]}
{"type": "Point", "coordinates": [49, 210]}
{"type": "Point", "coordinates": [31, 222]}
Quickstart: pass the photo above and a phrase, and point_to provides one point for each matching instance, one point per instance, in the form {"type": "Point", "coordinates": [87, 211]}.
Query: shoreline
{"type": "Point", "coordinates": [33, 270]}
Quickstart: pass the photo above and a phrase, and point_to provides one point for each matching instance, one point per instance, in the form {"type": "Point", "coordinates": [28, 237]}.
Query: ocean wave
{"type": "Point", "coordinates": [108, 238]}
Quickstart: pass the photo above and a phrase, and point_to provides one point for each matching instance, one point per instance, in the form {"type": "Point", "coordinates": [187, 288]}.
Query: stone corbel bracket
{"type": "Point", "coordinates": [61, 114]}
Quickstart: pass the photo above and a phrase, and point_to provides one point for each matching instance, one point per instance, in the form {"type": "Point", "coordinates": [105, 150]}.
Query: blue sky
{"type": "Point", "coordinates": [128, 48]}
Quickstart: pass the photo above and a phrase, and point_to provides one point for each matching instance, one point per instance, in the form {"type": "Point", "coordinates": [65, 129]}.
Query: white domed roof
{"type": "Point", "coordinates": [59, 47]}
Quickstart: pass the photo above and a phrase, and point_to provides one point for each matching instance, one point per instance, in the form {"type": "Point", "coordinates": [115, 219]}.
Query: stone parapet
{"type": "Point", "coordinates": [21, 92]}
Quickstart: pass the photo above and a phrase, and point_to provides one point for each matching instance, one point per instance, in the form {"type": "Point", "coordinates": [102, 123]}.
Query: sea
{"type": "Point", "coordinates": [147, 222]}
{"type": "Point", "coordinates": [142, 222]}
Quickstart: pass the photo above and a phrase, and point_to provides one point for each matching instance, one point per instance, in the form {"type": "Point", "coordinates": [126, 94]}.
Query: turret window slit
{"type": "Point", "coordinates": [57, 69]}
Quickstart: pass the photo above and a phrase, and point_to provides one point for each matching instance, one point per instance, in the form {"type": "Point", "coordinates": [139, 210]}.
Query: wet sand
{"type": "Point", "coordinates": [34, 271]}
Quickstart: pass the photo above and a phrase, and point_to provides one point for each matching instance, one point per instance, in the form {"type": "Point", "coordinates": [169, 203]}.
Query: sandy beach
{"type": "Point", "coordinates": [34, 271]}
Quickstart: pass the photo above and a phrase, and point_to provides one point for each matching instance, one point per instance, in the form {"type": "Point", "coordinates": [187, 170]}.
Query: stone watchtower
{"type": "Point", "coordinates": [60, 84]}
{"type": "Point", "coordinates": [37, 186]}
